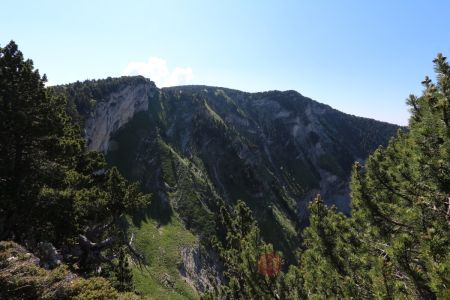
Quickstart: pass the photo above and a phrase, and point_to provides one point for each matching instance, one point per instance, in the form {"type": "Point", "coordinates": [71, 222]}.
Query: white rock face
{"type": "Point", "coordinates": [200, 270]}
{"type": "Point", "coordinates": [115, 112]}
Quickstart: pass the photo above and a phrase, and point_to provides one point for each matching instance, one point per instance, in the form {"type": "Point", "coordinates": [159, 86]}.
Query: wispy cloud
{"type": "Point", "coordinates": [158, 70]}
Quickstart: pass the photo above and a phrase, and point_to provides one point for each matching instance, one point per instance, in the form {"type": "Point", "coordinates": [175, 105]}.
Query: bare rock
{"type": "Point", "coordinates": [201, 268]}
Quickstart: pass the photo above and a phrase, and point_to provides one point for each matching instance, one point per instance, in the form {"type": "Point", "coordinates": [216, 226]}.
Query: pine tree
{"type": "Point", "coordinates": [51, 188]}
{"type": "Point", "coordinates": [331, 265]}
{"type": "Point", "coordinates": [252, 267]}
{"type": "Point", "coordinates": [36, 137]}
{"type": "Point", "coordinates": [401, 199]}
{"type": "Point", "coordinates": [396, 244]}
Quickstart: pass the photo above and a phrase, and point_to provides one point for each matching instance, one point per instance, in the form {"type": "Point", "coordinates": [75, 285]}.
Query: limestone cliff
{"type": "Point", "coordinates": [117, 109]}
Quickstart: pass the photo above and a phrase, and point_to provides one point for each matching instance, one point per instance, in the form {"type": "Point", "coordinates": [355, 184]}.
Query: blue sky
{"type": "Point", "coordinates": [361, 57]}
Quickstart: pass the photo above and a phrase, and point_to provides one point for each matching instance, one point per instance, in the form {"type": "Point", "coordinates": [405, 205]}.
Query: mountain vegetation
{"type": "Point", "coordinates": [227, 204]}
{"type": "Point", "coordinates": [56, 197]}
{"type": "Point", "coordinates": [396, 243]}
{"type": "Point", "coordinates": [194, 146]}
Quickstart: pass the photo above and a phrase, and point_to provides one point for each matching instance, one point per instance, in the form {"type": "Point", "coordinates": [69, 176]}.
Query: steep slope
{"type": "Point", "coordinates": [193, 146]}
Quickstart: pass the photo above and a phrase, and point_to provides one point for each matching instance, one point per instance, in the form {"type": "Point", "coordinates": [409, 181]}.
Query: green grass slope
{"type": "Point", "coordinates": [161, 246]}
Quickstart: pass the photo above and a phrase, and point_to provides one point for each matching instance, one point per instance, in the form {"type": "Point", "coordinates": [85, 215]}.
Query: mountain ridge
{"type": "Point", "coordinates": [275, 150]}
{"type": "Point", "coordinates": [290, 91]}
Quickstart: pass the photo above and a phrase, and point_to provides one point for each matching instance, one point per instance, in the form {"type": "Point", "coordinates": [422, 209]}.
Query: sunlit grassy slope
{"type": "Point", "coordinates": [161, 247]}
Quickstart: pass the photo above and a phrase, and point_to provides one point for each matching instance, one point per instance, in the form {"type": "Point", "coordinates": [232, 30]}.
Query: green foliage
{"type": "Point", "coordinates": [52, 188]}
{"type": "Point", "coordinates": [21, 278]}
{"type": "Point", "coordinates": [159, 276]}
{"type": "Point", "coordinates": [402, 198]}
{"type": "Point", "coordinates": [330, 266]}
{"type": "Point", "coordinates": [123, 276]}
{"type": "Point", "coordinates": [213, 114]}
{"type": "Point", "coordinates": [240, 248]}
{"type": "Point", "coordinates": [39, 146]}
{"type": "Point", "coordinates": [96, 288]}
{"type": "Point", "coordinates": [396, 245]}
{"type": "Point", "coordinates": [167, 164]}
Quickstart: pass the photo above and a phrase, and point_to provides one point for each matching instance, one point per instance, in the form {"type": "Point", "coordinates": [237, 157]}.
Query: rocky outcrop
{"type": "Point", "coordinates": [200, 268]}
{"type": "Point", "coordinates": [49, 255]}
{"type": "Point", "coordinates": [22, 278]}
{"type": "Point", "coordinates": [116, 111]}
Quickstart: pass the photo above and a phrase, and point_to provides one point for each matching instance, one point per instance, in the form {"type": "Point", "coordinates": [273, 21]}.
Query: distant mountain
{"type": "Point", "coordinates": [194, 146]}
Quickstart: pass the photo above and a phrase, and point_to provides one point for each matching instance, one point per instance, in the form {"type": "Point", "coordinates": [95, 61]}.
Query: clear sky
{"type": "Point", "coordinates": [361, 57]}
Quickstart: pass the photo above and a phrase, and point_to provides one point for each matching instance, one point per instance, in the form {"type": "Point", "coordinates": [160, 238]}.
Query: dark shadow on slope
{"type": "Point", "coordinates": [125, 146]}
{"type": "Point", "coordinates": [159, 210]}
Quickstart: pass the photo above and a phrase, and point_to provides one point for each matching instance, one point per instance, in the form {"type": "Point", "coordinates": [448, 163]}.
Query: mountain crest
{"type": "Point", "coordinates": [195, 145]}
